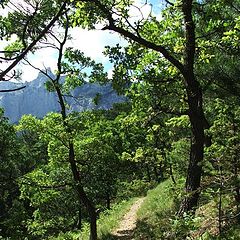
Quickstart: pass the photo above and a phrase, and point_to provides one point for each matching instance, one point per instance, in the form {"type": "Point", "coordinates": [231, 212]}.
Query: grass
{"type": "Point", "coordinates": [153, 217]}
{"type": "Point", "coordinates": [106, 223]}
{"type": "Point", "coordinates": [157, 220]}
{"type": "Point", "coordinates": [110, 220]}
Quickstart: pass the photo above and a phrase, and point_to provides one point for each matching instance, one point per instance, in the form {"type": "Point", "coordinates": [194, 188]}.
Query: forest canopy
{"type": "Point", "coordinates": [178, 68]}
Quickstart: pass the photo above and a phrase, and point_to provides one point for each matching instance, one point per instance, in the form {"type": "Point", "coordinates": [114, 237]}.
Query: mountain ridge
{"type": "Point", "coordinates": [34, 99]}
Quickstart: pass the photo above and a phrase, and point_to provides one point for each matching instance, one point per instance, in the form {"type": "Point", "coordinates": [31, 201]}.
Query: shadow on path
{"type": "Point", "coordinates": [125, 230]}
{"type": "Point", "coordinates": [124, 234]}
{"type": "Point", "coordinates": [121, 235]}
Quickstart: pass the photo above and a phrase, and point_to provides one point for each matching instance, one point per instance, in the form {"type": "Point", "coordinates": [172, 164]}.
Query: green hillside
{"type": "Point", "coordinates": [174, 139]}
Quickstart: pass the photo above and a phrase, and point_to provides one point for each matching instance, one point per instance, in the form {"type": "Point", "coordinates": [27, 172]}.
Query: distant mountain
{"type": "Point", "coordinates": [36, 100]}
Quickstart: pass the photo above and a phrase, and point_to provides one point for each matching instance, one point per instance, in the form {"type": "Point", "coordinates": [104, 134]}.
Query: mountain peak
{"type": "Point", "coordinates": [36, 100]}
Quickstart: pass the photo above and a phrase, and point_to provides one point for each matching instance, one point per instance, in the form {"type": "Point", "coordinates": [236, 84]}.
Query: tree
{"type": "Point", "coordinates": [223, 157]}
{"type": "Point", "coordinates": [55, 84]}
{"type": "Point", "coordinates": [13, 166]}
{"type": "Point", "coordinates": [139, 32]}
{"type": "Point", "coordinates": [9, 169]}
{"type": "Point", "coordinates": [176, 43]}
{"type": "Point", "coordinates": [31, 21]}
{"type": "Point", "coordinates": [173, 38]}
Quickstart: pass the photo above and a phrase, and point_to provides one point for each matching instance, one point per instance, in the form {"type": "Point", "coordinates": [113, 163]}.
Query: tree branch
{"type": "Point", "coordinates": [159, 48]}
{"type": "Point", "coordinates": [12, 90]}
{"type": "Point", "coordinates": [170, 3]}
{"type": "Point", "coordinates": [31, 45]}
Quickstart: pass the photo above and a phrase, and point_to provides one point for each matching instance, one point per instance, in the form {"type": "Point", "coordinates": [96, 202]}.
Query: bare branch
{"type": "Point", "coordinates": [5, 51]}
{"type": "Point", "coordinates": [170, 3]}
{"type": "Point", "coordinates": [12, 90]}
{"type": "Point", "coordinates": [39, 69]}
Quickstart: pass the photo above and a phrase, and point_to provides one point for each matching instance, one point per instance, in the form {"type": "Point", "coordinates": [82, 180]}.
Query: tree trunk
{"type": "Point", "coordinates": [194, 173]}
{"type": "Point", "coordinates": [171, 173]}
{"type": "Point", "coordinates": [196, 116]}
{"type": "Point", "coordinates": [194, 95]}
{"type": "Point", "coordinates": [79, 222]}
{"type": "Point", "coordinates": [93, 224]}
{"type": "Point", "coordinates": [148, 173]}
{"type": "Point", "coordinates": [157, 174]}
{"type": "Point", "coordinates": [220, 211]}
{"type": "Point", "coordinates": [235, 170]}
{"type": "Point", "coordinates": [82, 195]}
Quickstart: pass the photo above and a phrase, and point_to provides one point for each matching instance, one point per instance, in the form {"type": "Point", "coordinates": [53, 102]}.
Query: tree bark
{"type": "Point", "coordinates": [82, 195]}
{"type": "Point", "coordinates": [194, 172]}
{"type": "Point", "coordinates": [79, 222]}
{"type": "Point", "coordinates": [196, 116]}
{"type": "Point", "coordinates": [108, 200]}
{"type": "Point", "coordinates": [148, 173]}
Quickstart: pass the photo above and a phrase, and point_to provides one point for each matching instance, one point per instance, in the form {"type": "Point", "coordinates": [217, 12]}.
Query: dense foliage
{"type": "Point", "coordinates": [180, 74]}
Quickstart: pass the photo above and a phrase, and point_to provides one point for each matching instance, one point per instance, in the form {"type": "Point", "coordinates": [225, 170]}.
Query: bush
{"type": "Point", "coordinates": [134, 188]}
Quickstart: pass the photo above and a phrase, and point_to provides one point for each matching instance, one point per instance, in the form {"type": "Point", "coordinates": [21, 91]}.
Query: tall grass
{"type": "Point", "coordinates": [157, 219]}
{"type": "Point", "coordinates": [153, 216]}
{"type": "Point", "coordinates": [106, 223]}
{"type": "Point", "coordinates": [109, 220]}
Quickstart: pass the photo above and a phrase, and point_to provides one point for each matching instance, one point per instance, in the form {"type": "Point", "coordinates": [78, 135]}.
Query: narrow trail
{"type": "Point", "coordinates": [128, 224]}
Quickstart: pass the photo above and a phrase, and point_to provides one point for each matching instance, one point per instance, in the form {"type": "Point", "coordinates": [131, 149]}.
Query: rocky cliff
{"type": "Point", "coordinates": [36, 100]}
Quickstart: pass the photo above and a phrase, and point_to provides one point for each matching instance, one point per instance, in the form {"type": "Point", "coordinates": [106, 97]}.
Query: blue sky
{"type": "Point", "coordinates": [92, 43]}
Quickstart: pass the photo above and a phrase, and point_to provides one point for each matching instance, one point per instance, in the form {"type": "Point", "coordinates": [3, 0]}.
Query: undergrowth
{"type": "Point", "coordinates": [157, 219]}
{"type": "Point", "coordinates": [107, 221]}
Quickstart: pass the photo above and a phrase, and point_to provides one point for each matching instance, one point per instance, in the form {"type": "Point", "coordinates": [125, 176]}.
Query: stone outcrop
{"type": "Point", "coordinates": [36, 100]}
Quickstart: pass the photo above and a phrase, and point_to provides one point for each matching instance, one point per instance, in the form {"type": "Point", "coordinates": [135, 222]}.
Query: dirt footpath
{"type": "Point", "coordinates": [128, 223]}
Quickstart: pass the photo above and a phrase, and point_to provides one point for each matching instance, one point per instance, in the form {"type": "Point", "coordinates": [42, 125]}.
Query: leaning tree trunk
{"type": "Point", "coordinates": [82, 196]}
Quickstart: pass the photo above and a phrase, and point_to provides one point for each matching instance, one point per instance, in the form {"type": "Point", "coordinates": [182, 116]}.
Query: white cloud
{"type": "Point", "coordinates": [140, 10]}
{"type": "Point", "coordinates": [144, 8]}
{"type": "Point", "coordinates": [43, 58]}
{"type": "Point", "coordinates": [92, 43]}
{"type": "Point", "coordinates": [110, 73]}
